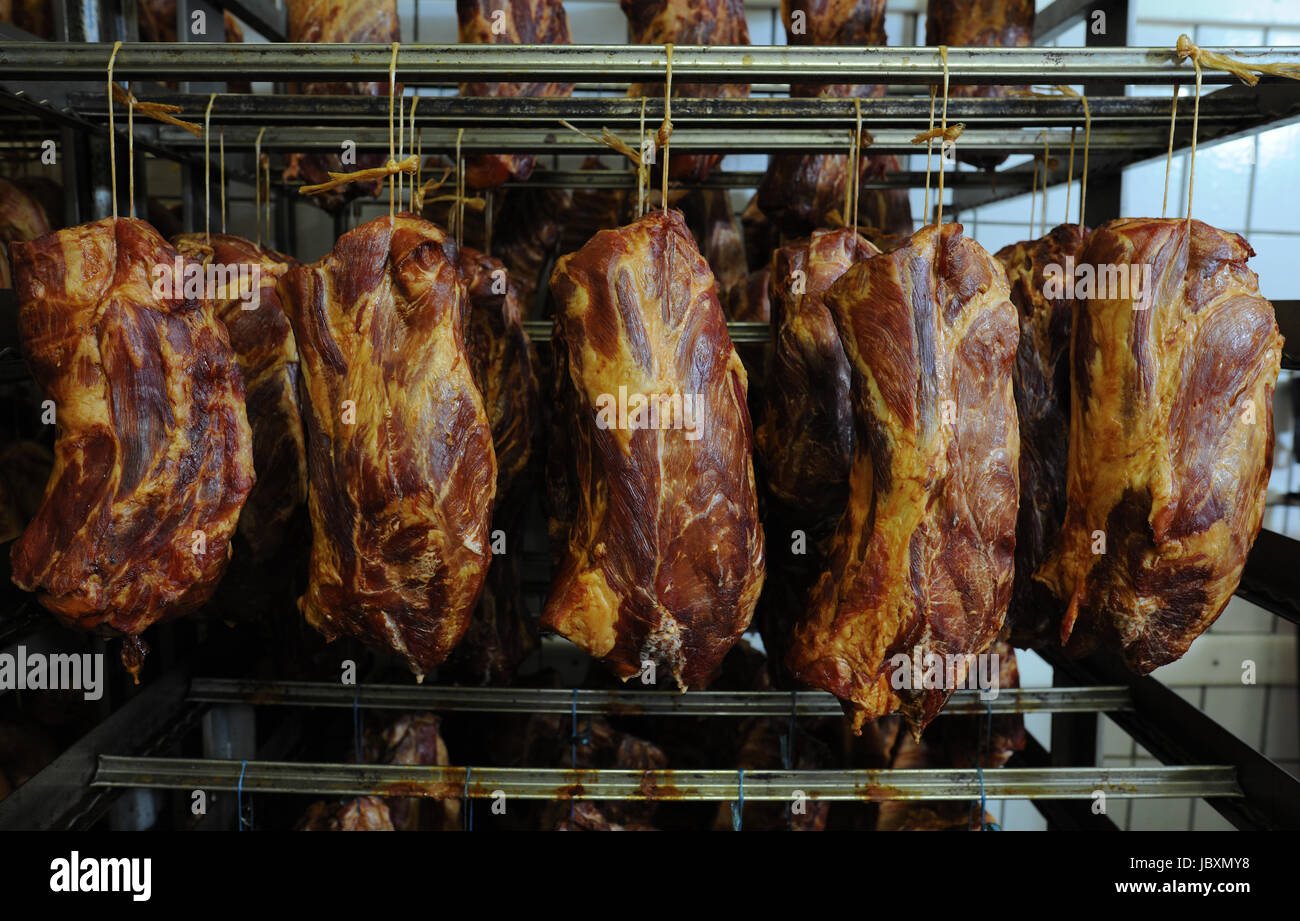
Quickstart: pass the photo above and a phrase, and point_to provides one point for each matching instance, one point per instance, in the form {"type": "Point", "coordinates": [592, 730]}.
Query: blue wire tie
{"type": "Point", "coordinates": [239, 797]}
{"type": "Point", "coordinates": [573, 747]}
{"type": "Point", "coordinates": [469, 805]}
{"type": "Point", "coordinates": [356, 723]}
{"type": "Point", "coordinates": [738, 808]}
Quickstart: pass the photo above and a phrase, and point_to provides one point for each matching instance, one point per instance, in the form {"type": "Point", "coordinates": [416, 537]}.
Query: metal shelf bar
{"type": "Point", "coordinates": [694, 785]}
{"type": "Point", "coordinates": [626, 703]}
{"type": "Point", "coordinates": [451, 63]}
{"type": "Point", "coordinates": [1145, 142]}
{"type": "Point", "coordinates": [619, 112]}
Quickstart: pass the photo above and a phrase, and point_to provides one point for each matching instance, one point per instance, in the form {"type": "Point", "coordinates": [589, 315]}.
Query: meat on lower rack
{"type": "Point", "coordinates": [921, 563]}
{"type": "Point", "coordinates": [268, 359]}
{"type": "Point", "coordinates": [662, 550]}
{"type": "Point", "coordinates": [509, 22]}
{"type": "Point", "coordinates": [1171, 438]}
{"type": "Point", "coordinates": [154, 455]}
{"type": "Point", "coordinates": [402, 471]}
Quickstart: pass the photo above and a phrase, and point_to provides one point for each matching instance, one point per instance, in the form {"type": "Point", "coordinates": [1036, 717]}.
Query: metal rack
{"type": "Point", "coordinates": [124, 752]}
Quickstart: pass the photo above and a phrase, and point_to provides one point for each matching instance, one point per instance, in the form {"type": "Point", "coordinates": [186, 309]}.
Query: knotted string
{"type": "Point", "coordinates": [666, 126]}
{"type": "Point", "coordinates": [207, 171]}
{"type": "Point", "coordinates": [929, 155]}
{"type": "Point", "coordinates": [221, 142]}
{"type": "Point", "coordinates": [112, 134]}
{"type": "Point", "coordinates": [1196, 122]}
{"type": "Point", "coordinates": [130, 149]}
{"type": "Point", "coordinates": [943, 54]}
{"type": "Point", "coordinates": [257, 184]}
{"type": "Point", "coordinates": [392, 86]}
{"type": "Point", "coordinates": [1033, 197]}
{"type": "Point", "coordinates": [1169, 155]}
{"type": "Point", "coordinates": [1069, 176]}
{"type": "Point", "coordinates": [1047, 165]}
{"type": "Point", "coordinates": [856, 172]}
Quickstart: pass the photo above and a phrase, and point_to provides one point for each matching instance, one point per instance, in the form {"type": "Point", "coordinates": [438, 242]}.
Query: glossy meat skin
{"type": "Point", "coordinates": [354, 21]}
{"type": "Point", "coordinates": [806, 436]}
{"type": "Point", "coordinates": [400, 496]}
{"type": "Point", "coordinates": [688, 22]}
{"type": "Point", "coordinates": [922, 559]}
{"type": "Point", "coordinates": [21, 218]}
{"type": "Point", "coordinates": [805, 192]}
{"type": "Point", "coordinates": [664, 557]}
{"type": "Point", "coordinates": [268, 360]}
{"type": "Point", "coordinates": [414, 738]}
{"type": "Point", "coordinates": [526, 235]}
{"type": "Point", "coordinates": [750, 300]}
{"type": "Point", "coordinates": [527, 22]}
{"type": "Point", "coordinates": [1171, 441]}
{"type": "Point", "coordinates": [153, 442]}
{"type": "Point", "coordinates": [1042, 382]}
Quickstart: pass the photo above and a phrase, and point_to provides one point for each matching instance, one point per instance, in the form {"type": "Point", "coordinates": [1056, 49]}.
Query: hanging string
{"type": "Point", "coordinates": [415, 180]}
{"type": "Point", "coordinates": [221, 140]}
{"type": "Point", "coordinates": [1169, 155]}
{"type": "Point", "coordinates": [1069, 176]}
{"type": "Point", "coordinates": [207, 170]}
{"type": "Point", "coordinates": [460, 189]}
{"type": "Point", "coordinates": [1087, 140]}
{"type": "Point", "coordinates": [1047, 165]}
{"type": "Point", "coordinates": [1033, 198]}
{"type": "Point", "coordinates": [643, 168]}
{"type": "Point", "coordinates": [666, 127]}
{"type": "Point", "coordinates": [401, 142]}
{"type": "Point", "coordinates": [856, 172]}
{"type": "Point", "coordinates": [925, 211]}
{"type": "Point", "coordinates": [392, 84]}
{"type": "Point", "coordinates": [943, 124]}
{"type": "Point", "coordinates": [257, 183]}
{"type": "Point", "coordinates": [266, 166]}
{"type": "Point", "coordinates": [130, 148]}
{"type": "Point", "coordinates": [1196, 120]}
{"type": "Point", "coordinates": [112, 135]}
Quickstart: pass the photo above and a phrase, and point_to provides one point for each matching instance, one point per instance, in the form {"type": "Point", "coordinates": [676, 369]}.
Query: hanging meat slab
{"type": "Point", "coordinates": [1042, 382]}
{"type": "Point", "coordinates": [663, 559]}
{"type": "Point", "coordinates": [154, 458]}
{"type": "Point", "coordinates": [688, 22]}
{"type": "Point", "coordinates": [22, 218]}
{"type": "Point", "coordinates": [268, 359]}
{"type": "Point", "coordinates": [921, 563]}
{"type": "Point", "coordinates": [1171, 437]}
{"type": "Point", "coordinates": [353, 21]}
{"type": "Point", "coordinates": [509, 22]}
{"type": "Point", "coordinates": [399, 447]}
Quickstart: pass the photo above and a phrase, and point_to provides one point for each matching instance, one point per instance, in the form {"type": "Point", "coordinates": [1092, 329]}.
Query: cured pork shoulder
{"type": "Point", "coordinates": [154, 456]}
{"type": "Point", "coordinates": [399, 447]}
{"type": "Point", "coordinates": [921, 562]}
{"type": "Point", "coordinates": [1171, 438]}
{"type": "Point", "coordinates": [663, 557]}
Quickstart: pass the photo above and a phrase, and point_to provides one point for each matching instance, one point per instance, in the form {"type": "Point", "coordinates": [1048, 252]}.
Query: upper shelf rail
{"type": "Point", "coordinates": [444, 63]}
